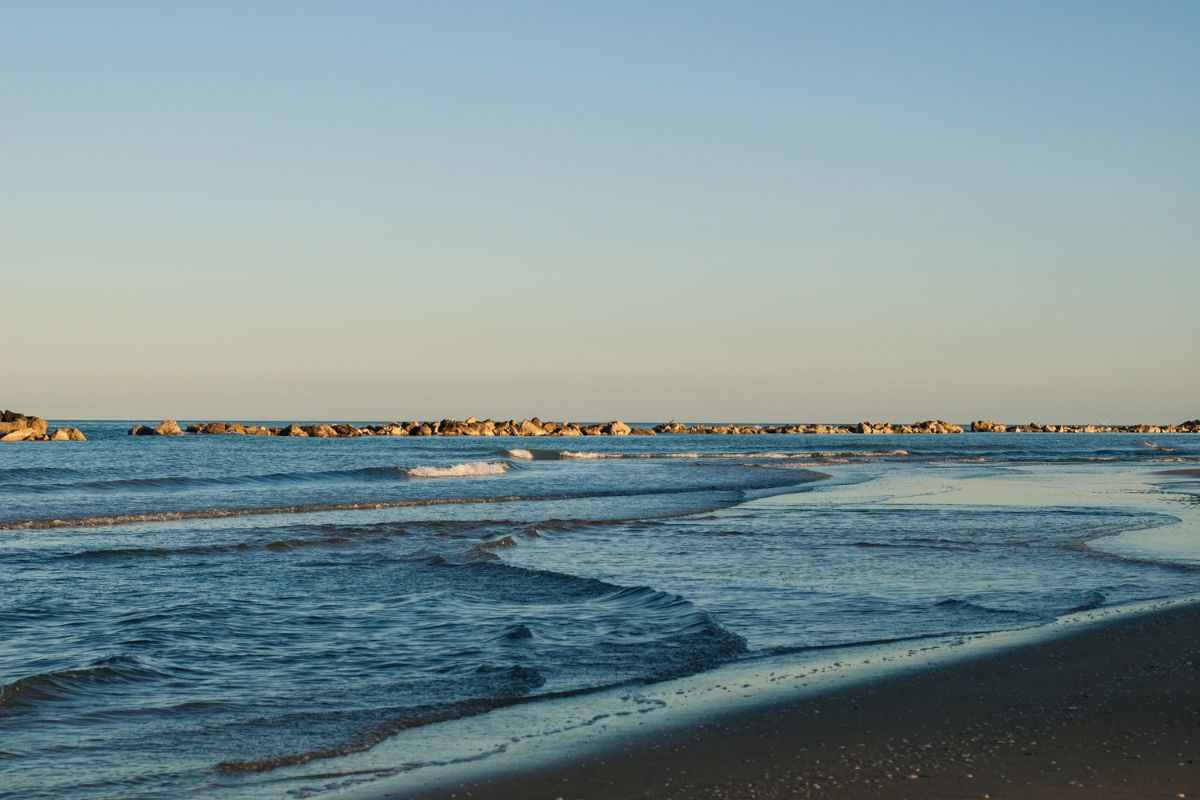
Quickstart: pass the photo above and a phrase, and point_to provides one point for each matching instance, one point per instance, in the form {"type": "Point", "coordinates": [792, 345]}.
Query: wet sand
{"type": "Point", "coordinates": [1108, 711]}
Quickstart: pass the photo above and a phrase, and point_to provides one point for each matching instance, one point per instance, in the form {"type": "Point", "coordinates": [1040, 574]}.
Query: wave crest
{"type": "Point", "coordinates": [473, 469]}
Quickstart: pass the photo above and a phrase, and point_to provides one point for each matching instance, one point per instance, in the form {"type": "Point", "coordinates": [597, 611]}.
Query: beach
{"type": "Point", "coordinates": [1108, 711]}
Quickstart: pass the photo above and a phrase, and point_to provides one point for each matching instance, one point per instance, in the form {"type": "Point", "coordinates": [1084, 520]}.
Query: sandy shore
{"type": "Point", "coordinates": [1110, 711]}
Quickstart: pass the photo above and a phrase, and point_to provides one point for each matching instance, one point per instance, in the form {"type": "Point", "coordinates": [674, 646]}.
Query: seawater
{"type": "Point", "coordinates": [221, 616]}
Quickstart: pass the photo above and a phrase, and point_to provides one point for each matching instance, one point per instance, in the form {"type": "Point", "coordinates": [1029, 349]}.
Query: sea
{"type": "Point", "coordinates": [261, 617]}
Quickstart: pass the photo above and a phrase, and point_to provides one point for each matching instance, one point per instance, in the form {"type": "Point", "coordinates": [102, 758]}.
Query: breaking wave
{"type": "Point", "coordinates": [473, 469]}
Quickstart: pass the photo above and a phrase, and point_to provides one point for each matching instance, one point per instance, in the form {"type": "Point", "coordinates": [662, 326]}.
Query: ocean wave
{"type": "Point", "coordinates": [26, 473]}
{"type": "Point", "coordinates": [274, 546]}
{"type": "Point", "coordinates": [968, 606]}
{"type": "Point", "coordinates": [473, 469]}
{"type": "Point", "coordinates": [177, 482]}
{"type": "Point", "coordinates": [771, 455]}
{"type": "Point", "coordinates": [109, 520]}
{"type": "Point", "coordinates": [697, 643]}
{"type": "Point", "coordinates": [795, 478]}
{"type": "Point", "coordinates": [520, 453]}
{"type": "Point", "coordinates": [65, 683]}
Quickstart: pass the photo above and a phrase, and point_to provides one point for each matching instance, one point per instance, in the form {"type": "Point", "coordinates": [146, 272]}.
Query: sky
{"type": "Point", "coordinates": [703, 211]}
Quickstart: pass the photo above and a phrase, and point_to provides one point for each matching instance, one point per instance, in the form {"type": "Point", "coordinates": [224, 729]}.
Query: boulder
{"type": "Point", "coordinates": [11, 421]}
{"type": "Point", "coordinates": [617, 428]}
{"type": "Point", "coordinates": [642, 432]}
{"type": "Point", "coordinates": [569, 430]}
{"type": "Point", "coordinates": [68, 434]}
{"type": "Point", "coordinates": [321, 431]}
{"type": "Point", "coordinates": [987, 426]}
{"type": "Point", "coordinates": [293, 430]}
{"type": "Point", "coordinates": [593, 430]}
{"type": "Point", "coordinates": [531, 427]}
{"type": "Point", "coordinates": [168, 427]}
{"type": "Point", "coordinates": [19, 435]}
{"type": "Point", "coordinates": [935, 426]}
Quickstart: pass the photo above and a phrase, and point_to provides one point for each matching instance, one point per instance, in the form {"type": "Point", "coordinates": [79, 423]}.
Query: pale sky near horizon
{"type": "Point", "coordinates": [777, 211]}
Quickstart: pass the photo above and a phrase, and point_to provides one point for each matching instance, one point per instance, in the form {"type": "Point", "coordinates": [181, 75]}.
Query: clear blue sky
{"type": "Point", "coordinates": [701, 210]}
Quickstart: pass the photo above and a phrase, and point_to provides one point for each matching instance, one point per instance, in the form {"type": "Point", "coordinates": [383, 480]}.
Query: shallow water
{"type": "Point", "coordinates": [198, 615]}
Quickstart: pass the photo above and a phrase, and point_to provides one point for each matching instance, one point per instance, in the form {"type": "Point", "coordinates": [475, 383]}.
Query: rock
{"type": "Point", "coordinates": [68, 435]}
{"type": "Point", "coordinates": [346, 430]}
{"type": "Point", "coordinates": [19, 435]}
{"type": "Point", "coordinates": [642, 432]}
{"type": "Point", "coordinates": [293, 430]}
{"type": "Point", "coordinates": [168, 427]}
{"type": "Point", "coordinates": [987, 426]}
{"type": "Point", "coordinates": [936, 426]}
{"type": "Point", "coordinates": [569, 430]}
{"type": "Point", "coordinates": [671, 427]}
{"type": "Point", "coordinates": [617, 428]}
{"type": "Point", "coordinates": [321, 431]}
{"type": "Point", "coordinates": [593, 430]}
{"type": "Point", "coordinates": [11, 421]}
{"type": "Point", "coordinates": [531, 427]}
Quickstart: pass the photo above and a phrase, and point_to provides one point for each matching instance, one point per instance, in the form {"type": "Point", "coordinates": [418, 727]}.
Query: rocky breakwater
{"type": "Point", "coordinates": [534, 426]}
{"type": "Point", "coordinates": [930, 426]}
{"type": "Point", "coordinates": [17, 427]}
{"type": "Point", "coordinates": [987, 426]}
{"type": "Point", "coordinates": [444, 427]}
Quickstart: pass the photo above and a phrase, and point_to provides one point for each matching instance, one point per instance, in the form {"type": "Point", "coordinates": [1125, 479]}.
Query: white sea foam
{"type": "Point", "coordinates": [517, 452]}
{"type": "Point", "coordinates": [584, 455]}
{"type": "Point", "coordinates": [471, 470]}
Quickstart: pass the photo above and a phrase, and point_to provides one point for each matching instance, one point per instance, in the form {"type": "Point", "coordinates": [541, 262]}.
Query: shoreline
{"type": "Point", "coordinates": [760, 727]}
{"type": "Point", "coordinates": [1100, 702]}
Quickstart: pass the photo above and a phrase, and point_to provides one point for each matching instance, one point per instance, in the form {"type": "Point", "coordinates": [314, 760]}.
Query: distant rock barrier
{"type": "Point", "coordinates": [536, 427]}
{"type": "Point", "coordinates": [17, 427]}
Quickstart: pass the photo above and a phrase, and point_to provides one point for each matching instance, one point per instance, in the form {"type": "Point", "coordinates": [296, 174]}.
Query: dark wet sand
{"type": "Point", "coordinates": [1111, 711]}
